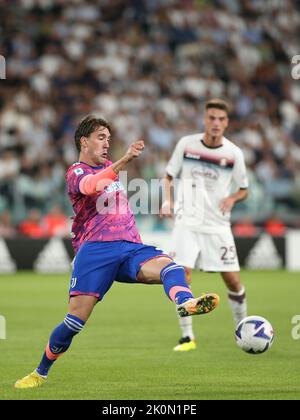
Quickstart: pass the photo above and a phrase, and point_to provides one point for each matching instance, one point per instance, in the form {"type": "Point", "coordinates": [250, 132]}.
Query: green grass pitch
{"type": "Point", "coordinates": [125, 350]}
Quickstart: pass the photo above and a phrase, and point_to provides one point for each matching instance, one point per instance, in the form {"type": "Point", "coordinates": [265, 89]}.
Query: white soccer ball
{"type": "Point", "coordinates": [254, 335]}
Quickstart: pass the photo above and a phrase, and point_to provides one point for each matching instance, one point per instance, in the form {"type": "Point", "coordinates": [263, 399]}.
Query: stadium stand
{"type": "Point", "coordinates": [148, 67]}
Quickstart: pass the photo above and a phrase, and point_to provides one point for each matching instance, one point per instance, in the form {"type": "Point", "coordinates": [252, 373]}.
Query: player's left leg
{"type": "Point", "coordinates": [80, 309]}
{"type": "Point", "coordinates": [94, 271]}
{"type": "Point", "coordinates": [172, 276]}
{"type": "Point", "coordinates": [236, 295]}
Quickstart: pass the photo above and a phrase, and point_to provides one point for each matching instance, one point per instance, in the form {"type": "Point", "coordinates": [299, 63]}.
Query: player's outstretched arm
{"type": "Point", "coordinates": [134, 151]}
{"type": "Point", "coordinates": [92, 184]}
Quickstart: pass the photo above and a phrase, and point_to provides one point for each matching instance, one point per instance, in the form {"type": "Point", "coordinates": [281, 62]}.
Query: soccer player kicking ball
{"type": "Point", "coordinates": [107, 244]}
{"type": "Point", "coordinates": [209, 166]}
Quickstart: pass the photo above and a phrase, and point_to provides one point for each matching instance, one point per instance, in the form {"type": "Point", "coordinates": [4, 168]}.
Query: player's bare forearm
{"type": "Point", "coordinates": [168, 184]}
{"type": "Point", "coordinates": [240, 195]}
{"type": "Point", "coordinates": [168, 204]}
{"type": "Point", "coordinates": [228, 203]}
{"type": "Point", "coordinates": [133, 152]}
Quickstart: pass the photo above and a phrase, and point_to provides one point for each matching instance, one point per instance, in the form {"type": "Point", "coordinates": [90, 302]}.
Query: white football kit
{"type": "Point", "coordinates": [202, 236]}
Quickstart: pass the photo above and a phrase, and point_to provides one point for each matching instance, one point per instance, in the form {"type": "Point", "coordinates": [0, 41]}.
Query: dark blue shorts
{"type": "Point", "coordinates": [98, 264]}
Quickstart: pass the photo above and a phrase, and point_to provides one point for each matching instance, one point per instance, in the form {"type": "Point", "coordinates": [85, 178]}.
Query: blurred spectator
{"type": "Point", "coordinates": [156, 64]}
{"type": "Point", "coordinates": [160, 135]}
{"type": "Point", "coordinates": [33, 226]}
{"type": "Point", "coordinates": [56, 223]}
{"type": "Point", "coordinates": [7, 230]}
{"type": "Point", "coordinates": [9, 170]}
{"type": "Point", "coordinates": [275, 227]}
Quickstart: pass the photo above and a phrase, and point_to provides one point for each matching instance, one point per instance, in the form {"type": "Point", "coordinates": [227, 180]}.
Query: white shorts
{"type": "Point", "coordinates": [207, 252]}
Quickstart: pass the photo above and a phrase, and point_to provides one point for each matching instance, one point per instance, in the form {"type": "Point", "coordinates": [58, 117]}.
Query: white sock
{"type": "Point", "coordinates": [238, 304]}
{"type": "Point", "coordinates": [186, 325]}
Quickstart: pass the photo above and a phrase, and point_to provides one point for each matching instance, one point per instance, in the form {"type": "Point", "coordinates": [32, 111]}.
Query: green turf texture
{"type": "Point", "coordinates": [125, 350]}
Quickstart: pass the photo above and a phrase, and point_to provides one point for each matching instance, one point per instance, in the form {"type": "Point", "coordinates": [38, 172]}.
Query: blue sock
{"type": "Point", "coordinates": [173, 279]}
{"type": "Point", "coordinates": [59, 342]}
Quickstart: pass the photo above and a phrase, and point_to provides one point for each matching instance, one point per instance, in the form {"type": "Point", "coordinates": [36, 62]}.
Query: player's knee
{"type": "Point", "coordinates": [82, 306]}
{"type": "Point", "coordinates": [150, 272]}
{"type": "Point", "coordinates": [163, 262]}
{"type": "Point", "coordinates": [188, 275]}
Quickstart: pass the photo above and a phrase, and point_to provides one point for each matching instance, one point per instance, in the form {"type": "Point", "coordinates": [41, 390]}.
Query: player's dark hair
{"type": "Point", "coordinates": [218, 104]}
{"type": "Point", "coordinates": [88, 125]}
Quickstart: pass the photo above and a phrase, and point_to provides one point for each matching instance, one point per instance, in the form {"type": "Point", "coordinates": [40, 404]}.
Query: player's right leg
{"type": "Point", "coordinates": [60, 340]}
{"type": "Point", "coordinates": [172, 276]}
{"type": "Point", "coordinates": [149, 265]}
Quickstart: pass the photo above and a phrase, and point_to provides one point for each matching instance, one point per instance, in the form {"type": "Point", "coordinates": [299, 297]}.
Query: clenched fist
{"type": "Point", "coordinates": [135, 150]}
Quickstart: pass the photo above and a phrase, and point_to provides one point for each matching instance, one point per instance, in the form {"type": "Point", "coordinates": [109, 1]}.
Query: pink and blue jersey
{"type": "Point", "coordinates": [107, 244]}
{"type": "Point", "coordinates": [101, 217]}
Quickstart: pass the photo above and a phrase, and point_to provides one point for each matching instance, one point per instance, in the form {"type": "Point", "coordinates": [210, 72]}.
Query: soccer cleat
{"type": "Point", "coordinates": [198, 306]}
{"type": "Point", "coordinates": [33, 380]}
{"type": "Point", "coordinates": [185, 344]}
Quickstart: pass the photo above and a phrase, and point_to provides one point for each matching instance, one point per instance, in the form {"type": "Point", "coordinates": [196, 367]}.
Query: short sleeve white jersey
{"type": "Point", "coordinates": [203, 177]}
